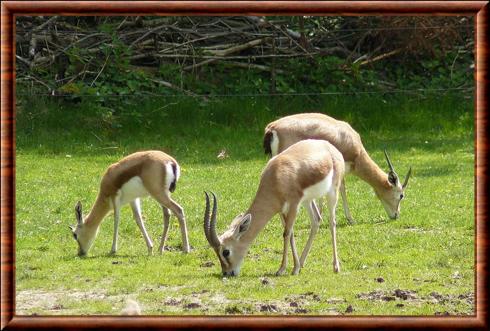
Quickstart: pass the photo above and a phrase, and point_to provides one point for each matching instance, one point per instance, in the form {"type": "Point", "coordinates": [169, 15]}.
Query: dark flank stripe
{"type": "Point", "coordinates": [173, 185]}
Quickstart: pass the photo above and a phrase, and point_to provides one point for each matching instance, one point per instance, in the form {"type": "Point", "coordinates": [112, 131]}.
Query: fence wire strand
{"type": "Point", "coordinates": [250, 95]}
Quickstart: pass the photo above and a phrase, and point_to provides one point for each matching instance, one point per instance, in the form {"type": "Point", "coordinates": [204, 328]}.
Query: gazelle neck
{"type": "Point", "coordinates": [99, 210]}
{"type": "Point", "coordinates": [366, 169]}
{"type": "Point", "coordinates": [261, 213]}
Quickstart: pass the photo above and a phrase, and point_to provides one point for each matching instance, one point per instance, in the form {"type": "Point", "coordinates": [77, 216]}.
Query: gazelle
{"type": "Point", "coordinates": [135, 176]}
{"type": "Point", "coordinates": [288, 130]}
{"type": "Point", "coordinates": [305, 171]}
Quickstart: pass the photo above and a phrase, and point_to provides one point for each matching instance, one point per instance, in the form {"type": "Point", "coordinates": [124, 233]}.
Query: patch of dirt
{"type": "Point", "coordinates": [349, 309]}
{"type": "Point", "coordinates": [301, 311]}
{"type": "Point", "coordinates": [389, 296]}
{"type": "Point", "coordinates": [411, 296]}
{"type": "Point", "coordinates": [207, 264]}
{"type": "Point", "coordinates": [377, 296]}
{"type": "Point", "coordinates": [405, 294]}
{"type": "Point", "coordinates": [269, 308]}
{"type": "Point", "coordinates": [265, 281]}
{"type": "Point", "coordinates": [172, 302]}
{"type": "Point", "coordinates": [192, 305]}
{"type": "Point", "coordinates": [233, 310]}
{"type": "Point", "coordinates": [29, 302]}
{"type": "Point", "coordinates": [435, 297]}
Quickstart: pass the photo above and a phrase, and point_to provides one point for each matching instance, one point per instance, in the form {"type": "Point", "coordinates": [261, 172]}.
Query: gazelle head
{"type": "Point", "coordinates": [228, 247]}
{"type": "Point", "coordinates": [392, 197]}
{"type": "Point", "coordinates": [83, 237]}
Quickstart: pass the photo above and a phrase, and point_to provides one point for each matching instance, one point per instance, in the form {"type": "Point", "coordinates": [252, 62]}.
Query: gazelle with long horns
{"type": "Point", "coordinates": [288, 130]}
{"type": "Point", "coordinates": [135, 176]}
{"type": "Point", "coordinates": [305, 171]}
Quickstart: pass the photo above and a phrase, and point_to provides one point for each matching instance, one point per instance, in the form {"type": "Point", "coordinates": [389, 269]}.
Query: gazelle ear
{"type": "Point", "coordinates": [242, 226]}
{"type": "Point", "coordinates": [78, 213]}
{"type": "Point", "coordinates": [393, 178]}
{"type": "Point", "coordinates": [245, 223]}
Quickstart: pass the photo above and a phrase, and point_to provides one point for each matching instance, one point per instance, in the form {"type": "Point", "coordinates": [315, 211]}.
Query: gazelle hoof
{"type": "Point", "coordinates": [295, 271]}
{"type": "Point", "coordinates": [280, 272]}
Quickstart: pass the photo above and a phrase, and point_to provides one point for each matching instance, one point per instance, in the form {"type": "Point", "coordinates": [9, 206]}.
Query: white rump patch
{"type": "Point", "coordinates": [274, 143]}
{"type": "Point", "coordinates": [131, 190]}
{"type": "Point", "coordinates": [319, 189]}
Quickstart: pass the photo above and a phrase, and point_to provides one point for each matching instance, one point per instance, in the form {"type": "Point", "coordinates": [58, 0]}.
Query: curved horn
{"type": "Point", "coordinates": [212, 225]}
{"type": "Point", "coordinates": [206, 218]}
{"type": "Point", "coordinates": [389, 162]}
{"type": "Point", "coordinates": [406, 178]}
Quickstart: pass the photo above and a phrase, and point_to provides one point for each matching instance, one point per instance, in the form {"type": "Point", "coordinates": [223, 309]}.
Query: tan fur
{"type": "Point", "coordinates": [150, 166]}
{"type": "Point", "coordinates": [283, 180]}
{"type": "Point", "coordinates": [291, 129]}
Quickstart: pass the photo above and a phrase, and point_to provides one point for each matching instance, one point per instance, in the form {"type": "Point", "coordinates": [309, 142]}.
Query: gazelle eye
{"type": "Point", "coordinates": [226, 253]}
{"type": "Point", "coordinates": [401, 196]}
{"type": "Point", "coordinates": [75, 235]}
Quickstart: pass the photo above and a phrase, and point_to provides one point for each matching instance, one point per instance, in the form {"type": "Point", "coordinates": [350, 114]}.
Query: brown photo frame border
{"type": "Point", "coordinates": [10, 9]}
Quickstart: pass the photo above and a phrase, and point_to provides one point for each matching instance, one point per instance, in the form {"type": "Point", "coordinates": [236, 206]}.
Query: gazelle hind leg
{"type": "Point", "coordinates": [288, 222]}
{"type": "Point", "coordinates": [166, 224]}
{"type": "Point", "coordinates": [315, 219]}
{"type": "Point", "coordinates": [332, 204]}
{"type": "Point", "coordinates": [176, 209]}
{"type": "Point", "coordinates": [344, 203]}
{"type": "Point", "coordinates": [136, 207]}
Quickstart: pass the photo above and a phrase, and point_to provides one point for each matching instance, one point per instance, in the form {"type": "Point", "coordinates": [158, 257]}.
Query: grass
{"type": "Point", "coordinates": [420, 264]}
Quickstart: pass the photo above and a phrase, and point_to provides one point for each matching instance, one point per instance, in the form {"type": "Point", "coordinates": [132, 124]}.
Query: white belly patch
{"type": "Point", "coordinates": [348, 167]}
{"type": "Point", "coordinates": [319, 189]}
{"type": "Point", "coordinates": [132, 189]}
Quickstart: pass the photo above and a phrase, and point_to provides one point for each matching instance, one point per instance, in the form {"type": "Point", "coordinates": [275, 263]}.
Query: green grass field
{"type": "Point", "coordinates": [420, 264]}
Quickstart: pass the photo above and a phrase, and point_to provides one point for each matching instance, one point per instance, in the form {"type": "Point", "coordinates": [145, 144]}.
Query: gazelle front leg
{"type": "Point", "coordinates": [166, 224]}
{"type": "Point", "coordinates": [315, 219]}
{"type": "Point", "coordinates": [116, 205]}
{"type": "Point", "coordinates": [344, 203]}
{"type": "Point", "coordinates": [136, 207]}
{"type": "Point", "coordinates": [332, 204]}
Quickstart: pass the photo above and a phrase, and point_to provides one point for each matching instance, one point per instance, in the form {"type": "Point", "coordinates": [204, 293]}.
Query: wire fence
{"type": "Point", "coordinates": [254, 95]}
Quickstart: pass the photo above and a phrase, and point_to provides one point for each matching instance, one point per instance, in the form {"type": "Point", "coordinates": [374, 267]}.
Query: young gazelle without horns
{"type": "Point", "coordinates": [305, 171]}
{"type": "Point", "coordinates": [135, 176]}
{"type": "Point", "coordinates": [288, 130]}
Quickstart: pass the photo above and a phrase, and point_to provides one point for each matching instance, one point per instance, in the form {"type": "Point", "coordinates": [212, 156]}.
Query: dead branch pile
{"type": "Point", "coordinates": [80, 47]}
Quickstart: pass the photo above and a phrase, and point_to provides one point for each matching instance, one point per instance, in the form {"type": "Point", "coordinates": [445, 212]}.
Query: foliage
{"type": "Point", "coordinates": [109, 65]}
